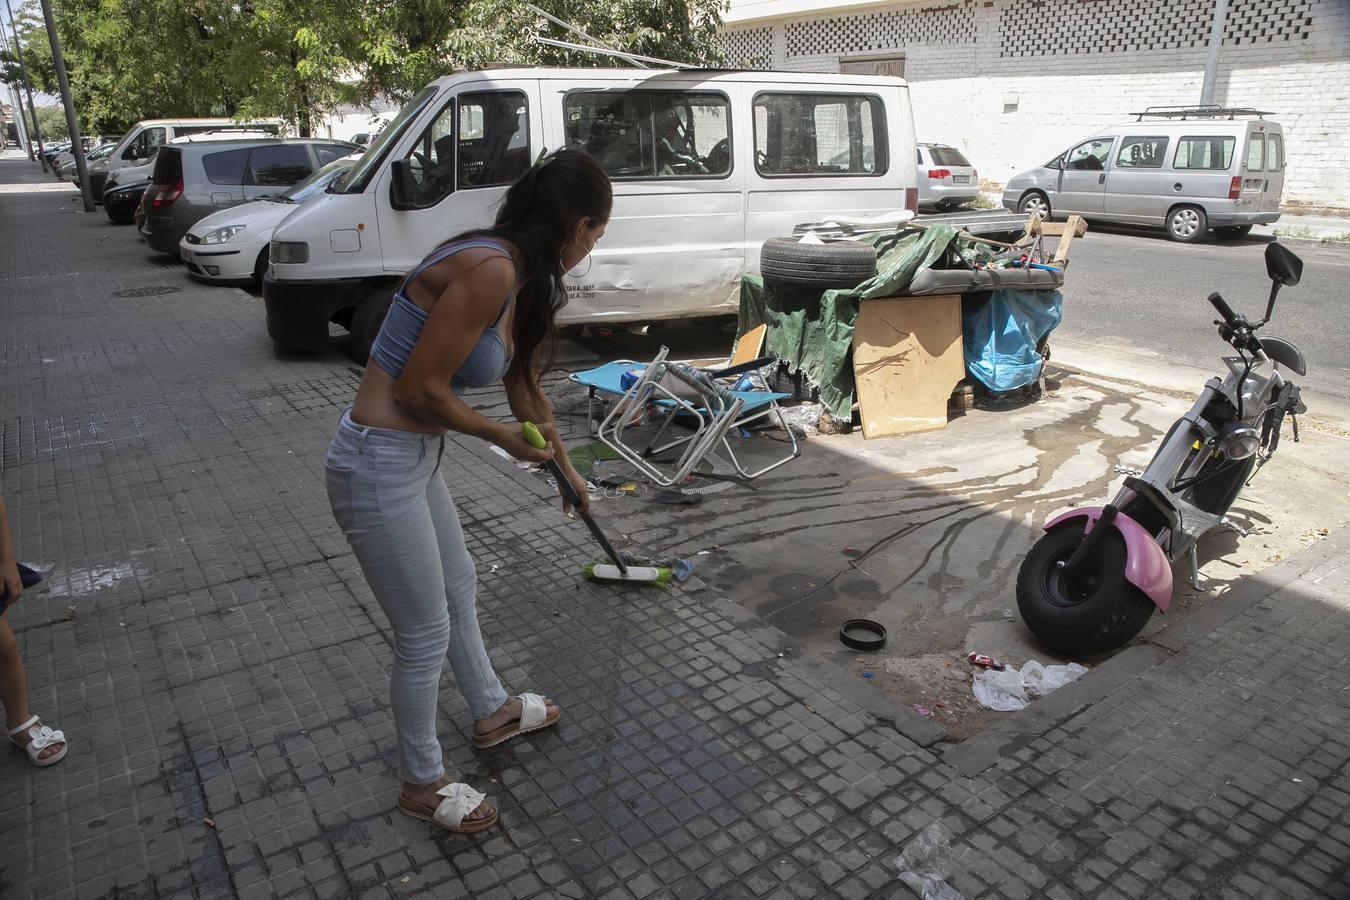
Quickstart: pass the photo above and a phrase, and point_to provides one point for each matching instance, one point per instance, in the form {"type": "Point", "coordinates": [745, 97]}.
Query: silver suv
{"type": "Point", "coordinates": [191, 181]}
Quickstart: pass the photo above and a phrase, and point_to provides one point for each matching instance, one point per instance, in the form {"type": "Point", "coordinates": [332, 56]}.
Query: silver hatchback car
{"type": "Point", "coordinates": [946, 178]}
{"type": "Point", "coordinates": [1187, 169]}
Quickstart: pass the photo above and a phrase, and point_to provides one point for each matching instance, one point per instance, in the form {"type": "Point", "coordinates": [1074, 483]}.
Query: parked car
{"type": "Point", "coordinates": [230, 246]}
{"type": "Point", "coordinates": [69, 171]}
{"type": "Point", "coordinates": [705, 165]}
{"type": "Point", "coordinates": [122, 201]}
{"type": "Point", "coordinates": [946, 178]}
{"type": "Point", "coordinates": [143, 139]}
{"type": "Point", "coordinates": [1186, 169]}
{"type": "Point", "coordinates": [193, 180]}
{"type": "Point", "coordinates": [142, 173]}
{"type": "Point", "coordinates": [51, 151]}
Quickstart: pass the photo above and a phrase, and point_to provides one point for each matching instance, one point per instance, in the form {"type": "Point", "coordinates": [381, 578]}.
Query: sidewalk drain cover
{"type": "Point", "coordinates": [152, 291]}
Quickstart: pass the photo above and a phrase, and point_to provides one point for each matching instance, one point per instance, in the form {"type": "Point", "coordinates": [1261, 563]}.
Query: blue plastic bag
{"type": "Point", "coordinates": [1002, 332]}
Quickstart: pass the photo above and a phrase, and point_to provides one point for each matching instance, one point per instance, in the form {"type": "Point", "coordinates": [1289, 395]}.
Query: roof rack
{"type": "Point", "coordinates": [1204, 111]}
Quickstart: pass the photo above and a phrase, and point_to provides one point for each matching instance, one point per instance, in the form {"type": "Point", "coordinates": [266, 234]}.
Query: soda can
{"type": "Point", "coordinates": [986, 662]}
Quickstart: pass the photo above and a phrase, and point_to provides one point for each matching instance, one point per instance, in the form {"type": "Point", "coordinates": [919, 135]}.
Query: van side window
{"type": "Point", "coordinates": [1089, 156]}
{"type": "Point", "coordinates": [1275, 153]}
{"type": "Point", "coordinates": [494, 138]}
{"type": "Point", "coordinates": [279, 164]}
{"type": "Point", "coordinates": [226, 167]}
{"type": "Point", "coordinates": [652, 134]}
{"type": "Point", "coordinates": [1256, 152]}
{"type": "Point", "coordinates": [1142, 153]}
{"type": "Point", "coordinates": [1208, 152]}
{"type": "Point", "coordinates": [146, 145]}
{"type": "Point", "coordinates": [819, 135]}
{"type": "Point", "coordinates": [432, 159]}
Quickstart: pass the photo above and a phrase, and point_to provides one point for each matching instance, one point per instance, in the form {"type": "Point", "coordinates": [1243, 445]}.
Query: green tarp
{"type": "Point", "coordinates": [813, 331]}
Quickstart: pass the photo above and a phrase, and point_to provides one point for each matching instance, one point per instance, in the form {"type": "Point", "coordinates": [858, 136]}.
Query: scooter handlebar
{"type": "Point", "coordinates": [1221, 306]}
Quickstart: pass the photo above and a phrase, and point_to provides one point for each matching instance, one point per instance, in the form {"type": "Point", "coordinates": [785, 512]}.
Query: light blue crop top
{"type": "Point", "coordinates": [486, 363]}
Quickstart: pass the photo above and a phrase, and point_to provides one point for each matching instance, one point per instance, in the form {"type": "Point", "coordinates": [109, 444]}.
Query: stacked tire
{"type": "Point", "coordinates": [826, 266]}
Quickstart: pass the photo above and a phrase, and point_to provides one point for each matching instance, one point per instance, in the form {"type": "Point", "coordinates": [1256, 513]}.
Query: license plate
{"type": "Point", "coordinates": [960, 179]}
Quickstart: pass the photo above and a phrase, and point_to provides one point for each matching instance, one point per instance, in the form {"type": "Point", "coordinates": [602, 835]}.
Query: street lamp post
{"type": "Point", "coordinates": [1216, 30]}
{"type": "Point", "coordinates": [20, 124]}
{"type": "Point", "coordinates": [76, 146]}
{"type": "Point", "coordinates": [28, 87]}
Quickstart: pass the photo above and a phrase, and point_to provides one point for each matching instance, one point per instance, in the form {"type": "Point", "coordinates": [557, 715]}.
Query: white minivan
{"type": "Point", "coordinates": [706, 165]}
{"type": "Point", "coordinates": [143, 140]}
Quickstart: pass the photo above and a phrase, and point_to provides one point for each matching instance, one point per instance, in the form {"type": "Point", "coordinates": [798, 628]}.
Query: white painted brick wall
{"type": "Point", "coordinates": [958, 88]}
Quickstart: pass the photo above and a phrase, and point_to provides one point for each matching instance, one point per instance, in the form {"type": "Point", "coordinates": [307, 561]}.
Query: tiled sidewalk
{"type": "Point", "coordinates": [208, 644]}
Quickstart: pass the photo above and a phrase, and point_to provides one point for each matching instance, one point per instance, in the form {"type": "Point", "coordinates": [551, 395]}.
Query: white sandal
{"type": "Point", "coordinates": [534, 715]}
{"type": "Point", "coordinates": [40, 737]}
{"type": "Point", "coordinates": [460, 800]}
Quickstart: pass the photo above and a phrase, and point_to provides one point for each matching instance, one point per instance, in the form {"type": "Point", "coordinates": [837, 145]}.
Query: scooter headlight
{"type": "Point", "coordinates": [1239, 440]}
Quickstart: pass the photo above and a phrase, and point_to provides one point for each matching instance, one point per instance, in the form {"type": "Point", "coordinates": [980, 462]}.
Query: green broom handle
{"type": "Point", "coordinates": [536, 440]}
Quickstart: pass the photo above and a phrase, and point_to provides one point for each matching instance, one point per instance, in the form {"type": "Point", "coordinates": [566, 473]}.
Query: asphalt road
{"type": "Point", "coordinates": [1134, 290]}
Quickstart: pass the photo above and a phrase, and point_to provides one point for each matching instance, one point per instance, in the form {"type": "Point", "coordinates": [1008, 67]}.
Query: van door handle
{"type": "Point", "coordinates": [1177, 187]}
{"type": "Point", "coordinates": [1101, 179]}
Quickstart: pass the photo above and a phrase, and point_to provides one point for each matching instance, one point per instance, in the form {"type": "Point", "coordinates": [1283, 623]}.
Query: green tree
{"type": "Point", "coordinates": [136, 59]}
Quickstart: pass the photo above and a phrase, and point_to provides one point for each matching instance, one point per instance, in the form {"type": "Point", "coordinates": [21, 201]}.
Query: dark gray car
{"type": "Point", "coordinates": [191, 181]}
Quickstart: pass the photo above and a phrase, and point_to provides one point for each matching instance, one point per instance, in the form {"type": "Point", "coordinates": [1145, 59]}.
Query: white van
{"type": "Point", "coordinates": [706, 165]}
{"type": "Point", "coordinates": [1188, 169]}
{"type": "Point", "coordinates": [143, 140]}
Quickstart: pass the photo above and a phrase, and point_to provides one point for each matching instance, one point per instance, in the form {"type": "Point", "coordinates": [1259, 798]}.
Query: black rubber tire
{"type": "Point", "coordinates": [840, 264]}
{"type": "Point", "coordinates": [1233, 232]}
{"type": "Point", "coordinates": [260, 267]}
{"type": "Point", "coordinates": [1106, 614]}
{"type": "Point", "coordinates": [366, 322]}
{"type": "Point", "coordinates": [1186, 224]}
{"type": "Point", "coordinates": [1029, 201]}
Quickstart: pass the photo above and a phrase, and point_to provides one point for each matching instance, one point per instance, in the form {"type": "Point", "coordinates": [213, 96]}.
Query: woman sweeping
{"type": "Point", "coordinates": [478, 309]}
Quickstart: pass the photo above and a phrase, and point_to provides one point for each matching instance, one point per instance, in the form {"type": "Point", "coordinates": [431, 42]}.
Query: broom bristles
{"type": "Point", "coordinates": [610, 572]}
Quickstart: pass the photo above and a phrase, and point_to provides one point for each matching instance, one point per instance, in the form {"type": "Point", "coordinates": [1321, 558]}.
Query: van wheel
{"type": "Point", "coordinates": [260, 267]}
{"type": "Point", "coordinates": [1034, 203]}
{"type": "Point", "coordinates": [1187, 224]}
{"type": "Point", "coordinates": [366, 322]}
{"type": "Point", "coordinates": [841, 264]}
{"type": "Point", "coordinates": [1233, 232]}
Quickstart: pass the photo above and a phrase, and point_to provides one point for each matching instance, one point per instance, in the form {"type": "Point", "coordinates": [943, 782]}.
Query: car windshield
{"type": "Point", "coordinates": [355, 181]}
{"type": "Point", "coordinates": [315, 183]}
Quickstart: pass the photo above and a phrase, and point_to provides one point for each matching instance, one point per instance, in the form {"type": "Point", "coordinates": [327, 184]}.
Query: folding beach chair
{"type": "Point", "coordinates": [697, 397]}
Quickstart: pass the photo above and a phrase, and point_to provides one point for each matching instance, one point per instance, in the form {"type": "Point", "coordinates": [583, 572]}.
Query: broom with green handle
{"type": "Point", "coordinates": [596, 570]}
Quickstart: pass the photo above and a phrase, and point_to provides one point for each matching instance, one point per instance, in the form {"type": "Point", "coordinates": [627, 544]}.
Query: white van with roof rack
{"type": "Point", "coordinates": [143, 140]}
{"type": "Point", "coordinates": [1188, 169]}
{"type": "Point", "coordinates": [706, 165]}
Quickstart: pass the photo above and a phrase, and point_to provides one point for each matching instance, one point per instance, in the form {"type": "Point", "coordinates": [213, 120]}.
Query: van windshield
{"type": "Point", "coordinates": [355, 181]}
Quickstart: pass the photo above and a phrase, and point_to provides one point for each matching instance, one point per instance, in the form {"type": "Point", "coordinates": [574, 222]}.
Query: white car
{"type": "Point", "coordinates": [230, 247]}
{"type": "Point", "coordinates": [946, 178]}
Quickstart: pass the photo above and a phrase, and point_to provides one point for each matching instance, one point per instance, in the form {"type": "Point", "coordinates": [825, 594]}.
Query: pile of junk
{"type": "Point", "coordinates": [896, 321]}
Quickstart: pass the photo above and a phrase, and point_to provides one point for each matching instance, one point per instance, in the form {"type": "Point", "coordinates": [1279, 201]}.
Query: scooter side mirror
{"type": "Point", "coordinates": [1282, 265]}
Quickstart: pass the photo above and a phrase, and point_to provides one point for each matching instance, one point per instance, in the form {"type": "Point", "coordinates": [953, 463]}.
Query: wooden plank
{"type": "Point", "coordinates": [749, 346]}
{"type": "Point", "coordinates": [1055, 229]}
{"type": "Point", "coordinates": [907, 358]}
{"type": "Point", "coordinates": [1074, 226]}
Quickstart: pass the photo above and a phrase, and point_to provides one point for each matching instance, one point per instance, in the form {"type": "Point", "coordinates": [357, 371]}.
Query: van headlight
{"type": "Point", "coordinates": [221, 235]}
{"type": "Point", "coordinates": [289, 252]}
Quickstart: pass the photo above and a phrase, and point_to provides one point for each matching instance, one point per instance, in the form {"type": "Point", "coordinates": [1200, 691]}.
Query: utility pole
{"type": "Point", "coordinates": [76, 146]}
{"type": "Point", "coordinates": [28, 86]}
{"type": "Point", "coordinates": [1216, 30]}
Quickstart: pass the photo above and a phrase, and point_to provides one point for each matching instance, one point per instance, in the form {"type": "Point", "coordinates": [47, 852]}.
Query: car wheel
{"type": "Point", "coordinates": [1233, 232]}
{"type": "Point", "coordinates": [840, 264]}
{"type": "Point", "coordinates": [1034, 203]}
{"type": "Point", "coordinates": [366, 322]}
{"type": "Point", "coordinates": [1187, 224]}
{"type": "Point", "coordinates": [260, 267]}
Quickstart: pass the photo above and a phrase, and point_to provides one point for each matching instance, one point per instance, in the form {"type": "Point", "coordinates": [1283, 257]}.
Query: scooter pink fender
{"type": "Point", "coordinates": [1146, 566]}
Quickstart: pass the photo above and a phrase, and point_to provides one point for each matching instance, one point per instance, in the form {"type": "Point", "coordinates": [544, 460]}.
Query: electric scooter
{"type": "Point", "coordinates": [1094, 578]}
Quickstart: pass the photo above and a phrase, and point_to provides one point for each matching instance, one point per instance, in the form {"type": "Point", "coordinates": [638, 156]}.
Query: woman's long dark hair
{"type": "Point", "coordinates": [539, 216]}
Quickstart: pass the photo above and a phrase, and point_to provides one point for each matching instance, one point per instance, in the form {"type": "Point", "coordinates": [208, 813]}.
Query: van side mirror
{"type": "Point", "coordinates": [403, 188]}
{"type": "Point", "coordinates": [131, 153]}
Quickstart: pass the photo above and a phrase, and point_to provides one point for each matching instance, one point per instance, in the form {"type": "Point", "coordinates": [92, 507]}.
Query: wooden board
{"type": "Point", "coordinates": [907, 359]}
{"type": "Point", "coordinates": [1074, 227]}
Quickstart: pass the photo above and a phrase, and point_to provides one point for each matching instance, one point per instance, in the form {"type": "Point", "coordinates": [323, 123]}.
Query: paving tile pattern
{"type": "Point", "coordinates": [206, 640]}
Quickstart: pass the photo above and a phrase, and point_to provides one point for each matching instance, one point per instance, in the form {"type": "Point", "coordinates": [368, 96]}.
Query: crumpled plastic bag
{"type": "Point", "coordinates": [926, 864]}
{"type": "Point", "coordinates": [1013, 689]}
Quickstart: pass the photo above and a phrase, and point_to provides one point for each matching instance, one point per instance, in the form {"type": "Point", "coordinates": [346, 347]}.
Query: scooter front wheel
{"type": "Point", "coordinates": [1091, 611]}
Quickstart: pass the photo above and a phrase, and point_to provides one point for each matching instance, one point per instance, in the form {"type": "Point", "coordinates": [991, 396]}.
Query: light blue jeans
{"type": "Point", "coordinates": [392, 504]}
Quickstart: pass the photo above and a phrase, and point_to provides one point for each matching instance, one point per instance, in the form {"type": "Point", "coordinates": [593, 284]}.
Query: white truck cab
{"type": "Point", "coordinates": [706, 165]}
